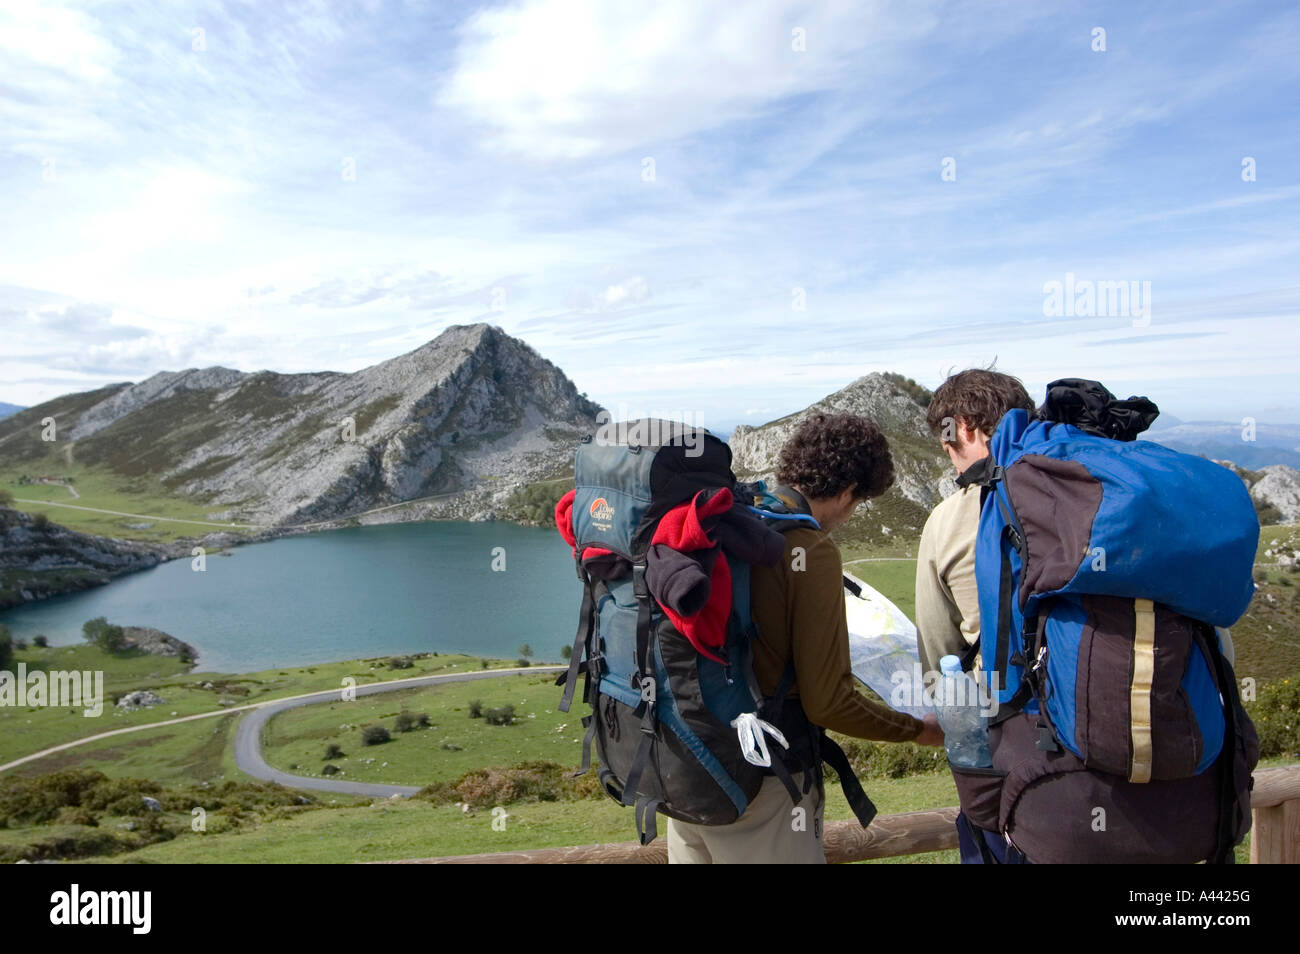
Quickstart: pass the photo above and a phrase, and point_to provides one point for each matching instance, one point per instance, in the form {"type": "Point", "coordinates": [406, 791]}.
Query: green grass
{"type": "Point", "coordinates": [1267, 638]}
{"type": "Point", "coordinates": [1279, 533]}
{"type": "Point", "coordinates": [299, 736]}
{"type": "Point", "coordinates": [894, 578]}
{"type": "Point", "coordinates": [399, 829]}
{"type": "Point", "coordinates": [355, 829]}
{"type": "Point", "coordinates": [390, 830]}
{"type": "Point", "coordinates": [198, 751]}
{"type": "Point", "coordinates": [30, 729]}
{"type": "Point", "coordinates": [103, 490]}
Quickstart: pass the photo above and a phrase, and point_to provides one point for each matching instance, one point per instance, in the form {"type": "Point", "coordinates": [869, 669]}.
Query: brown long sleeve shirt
{"type": "Point", "coordinates": [798, 607]}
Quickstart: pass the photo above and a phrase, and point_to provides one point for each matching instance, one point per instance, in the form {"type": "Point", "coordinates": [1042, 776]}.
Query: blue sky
{"type": "Point", "coordinates": [647, 193]}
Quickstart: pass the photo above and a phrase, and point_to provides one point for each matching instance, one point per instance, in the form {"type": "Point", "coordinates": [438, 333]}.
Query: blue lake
{"type": "Point", "coordinates": [344, 594]}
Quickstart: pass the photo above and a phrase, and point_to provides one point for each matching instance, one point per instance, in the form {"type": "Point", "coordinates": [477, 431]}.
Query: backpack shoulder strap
{"type": "Point", "coordinates": [786, 509]}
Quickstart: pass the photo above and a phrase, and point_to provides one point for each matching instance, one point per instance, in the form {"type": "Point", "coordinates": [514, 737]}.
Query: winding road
{"type": "Point", "coordinates": [248, 735]}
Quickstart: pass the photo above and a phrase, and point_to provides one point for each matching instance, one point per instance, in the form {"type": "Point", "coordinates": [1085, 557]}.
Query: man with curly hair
{"type": "Point", "coordinates": [830, 464]}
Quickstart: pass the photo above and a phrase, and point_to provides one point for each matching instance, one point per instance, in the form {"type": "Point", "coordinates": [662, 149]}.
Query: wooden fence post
{"type": "Point", "coordinates": [1275, 823]}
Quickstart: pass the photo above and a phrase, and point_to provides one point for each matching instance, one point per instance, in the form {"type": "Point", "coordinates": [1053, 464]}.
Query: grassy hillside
{"type": "Point", "coordinates": [27, 730]}
{"type": "Point", "coordinates": [24, 453]}
{"type": "Point", "coordinates": [161, 516]}
{"type": "Point", "coordinates": [454, 744]}
{"type": "Point", "coordinates": [192, 763]}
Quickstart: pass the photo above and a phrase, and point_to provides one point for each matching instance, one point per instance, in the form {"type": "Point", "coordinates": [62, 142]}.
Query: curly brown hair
{"type": "Point", "coordinates": [979, 395]}
{"type": "Point", "coordinates": [829, 453]}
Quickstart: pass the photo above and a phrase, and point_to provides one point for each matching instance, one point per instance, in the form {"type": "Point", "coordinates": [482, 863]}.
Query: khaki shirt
{"type": "Point", "coordinates": [947, 599]}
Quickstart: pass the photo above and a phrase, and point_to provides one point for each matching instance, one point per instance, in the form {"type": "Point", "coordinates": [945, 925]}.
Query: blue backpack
{"type": "Point", "coordinates": [1103, 566]}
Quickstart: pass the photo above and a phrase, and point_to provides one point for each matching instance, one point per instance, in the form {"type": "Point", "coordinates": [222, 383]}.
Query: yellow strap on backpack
{"type": "Point", "coordinates": [1144, 667]}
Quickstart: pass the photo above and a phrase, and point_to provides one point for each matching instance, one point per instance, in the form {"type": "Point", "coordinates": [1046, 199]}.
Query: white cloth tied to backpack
{"type": "Point", "coordinates": [750, 728]}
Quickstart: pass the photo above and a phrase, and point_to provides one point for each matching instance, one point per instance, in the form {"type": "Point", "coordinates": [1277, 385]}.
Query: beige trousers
{"type": "Point", "coordinates": [771, 831]}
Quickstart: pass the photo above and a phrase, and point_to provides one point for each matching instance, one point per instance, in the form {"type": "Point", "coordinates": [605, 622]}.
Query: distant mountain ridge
{"type": "Point", "coordinates": [7, 409]}
{"type": "Point", "coordinates": [472, 415]}
{"type": "Point", "coordinates": [1248, 445]}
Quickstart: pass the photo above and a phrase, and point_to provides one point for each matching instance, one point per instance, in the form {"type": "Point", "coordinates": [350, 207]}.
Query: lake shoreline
{"type": "Point", "coordinates": [20, 591]}
{"type": "Point", "coordinates": [394, 589]}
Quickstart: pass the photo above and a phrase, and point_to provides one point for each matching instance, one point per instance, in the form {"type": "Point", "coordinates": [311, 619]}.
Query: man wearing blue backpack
{"type": "Point", "coordinates": [963, 413]}
{"type": "Point", "coordinates": [1083, 574]}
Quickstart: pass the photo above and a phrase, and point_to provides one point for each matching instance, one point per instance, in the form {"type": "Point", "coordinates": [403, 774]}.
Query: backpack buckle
{"type": "Point", "coordinates": [1046, 740]}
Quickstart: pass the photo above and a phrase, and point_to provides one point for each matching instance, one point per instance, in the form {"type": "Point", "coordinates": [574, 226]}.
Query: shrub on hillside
{"type": "Point", "coordinates": [535, 503]}
{"type": "Point", "coordinates": [40, 641]}
{"type": "Point", "coordinates": [475, 709]}
{"type": "Point", "coordinates": [502, 716]}
{"type": "Point", "coordinates": [31, 801]}
{"type": "Point", "coordinates": [375, 735]}
{"type": "Point", "coordinates": [1268, 514]}
{"type": "Point", "coordinates": [400, 662]}
{"type": "Point", "coordinates": [1276, 714]}
{"type": "Point", "coordinates": [81, 796]}
{"type": "Point", "coordinates": [82, 844]}
{"type": "Point", "coordinates": [889, 760]}
{"type": "Point", "coordinates": [917, 392]}
{"type": "Point", "coordinates": [404, 722]}
{"type": "Point", "coordinates": [233, 797]}
{"type": "Point", "coordinates": [528, 782]}
{"type": "Point", "coordinates": [100, 632]}
{"type": "Point", "coordinates": [333, 751]}
{"type": "Point", "coordinates": [76, 815]}
{"type": "Point", "coordinates": [121, 796]}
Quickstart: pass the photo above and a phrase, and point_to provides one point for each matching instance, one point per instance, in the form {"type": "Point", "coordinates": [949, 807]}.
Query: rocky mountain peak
{"type": "Point", "coordinates": [475, 410]}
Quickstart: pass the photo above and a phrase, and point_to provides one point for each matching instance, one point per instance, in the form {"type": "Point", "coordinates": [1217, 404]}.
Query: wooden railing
{"type": "Point", "coordinates": [1275, 835]}
{"type": "Point", "coordinates": [1275, 817]}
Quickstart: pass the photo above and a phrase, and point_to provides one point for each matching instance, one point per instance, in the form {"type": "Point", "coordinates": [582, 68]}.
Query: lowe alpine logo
{"type": "Point", "coordinates": [601, 513]}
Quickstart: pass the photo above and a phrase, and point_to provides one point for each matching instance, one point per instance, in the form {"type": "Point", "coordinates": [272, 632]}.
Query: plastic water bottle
{"type": "Point", "coordinates": [965, 730]}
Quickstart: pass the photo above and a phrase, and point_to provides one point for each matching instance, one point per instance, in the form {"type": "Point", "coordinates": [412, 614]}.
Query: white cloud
{"type": "Point", "coordinates": [173, 203]}
{"type": "Point", "coordinates": [43, 35]}
{"type": "Point", "coordinates": [633, 290]}
{"type": "Point", "coordinates": [564, 79]}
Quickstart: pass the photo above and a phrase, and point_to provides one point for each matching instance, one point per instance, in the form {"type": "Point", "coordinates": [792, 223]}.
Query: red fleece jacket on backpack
{"type": "Point", "coordinates": [682, 530]}
{"type": "Point", "coordinates": [681, 535]}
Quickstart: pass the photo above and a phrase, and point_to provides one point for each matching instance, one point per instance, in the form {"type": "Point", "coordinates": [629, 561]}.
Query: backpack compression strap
{"type": "Point", "coordinates": [647, 708]}
{"type": "Point", "coordinates": [1230, 809]}
{"type": "Point", "coordinates": [822, 749]}
{"type": "Point", "coordinates": [581, 642]}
